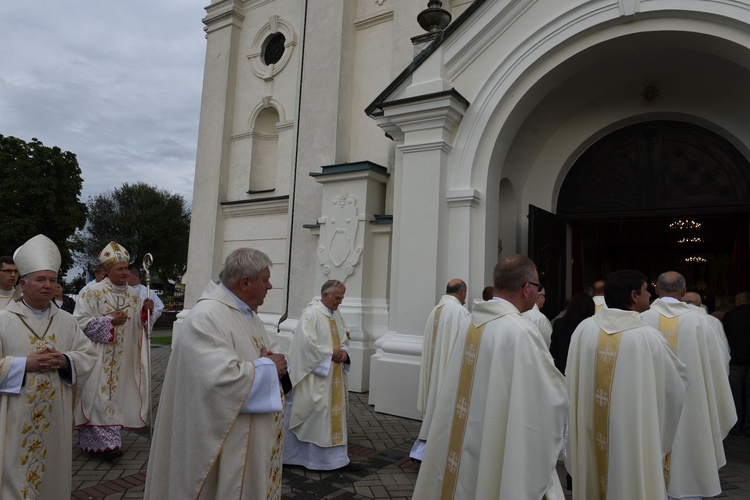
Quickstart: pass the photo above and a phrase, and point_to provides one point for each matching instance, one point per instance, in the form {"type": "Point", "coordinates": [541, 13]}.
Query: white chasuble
{"type": "Point", "coordinates": [320, 402]}
{"type": "Point", "coordinates": [440, 335]}
{"type": "Point", "coordinates": [540, 320]}
{"type": "Point", "coordinates": [708, 413]}
{"type": "Point", "coordinates": [117, 393]}
{"type": "Point", "coordinates": [498, 423]}
{"type": "Point", "coordinates": [37, 424]}
{"type": "Point", "coordinates": [625, 389]}
{"type": "Point", "coordinates": [203, 446]}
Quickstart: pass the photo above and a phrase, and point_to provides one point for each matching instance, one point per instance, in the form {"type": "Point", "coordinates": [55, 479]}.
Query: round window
{"type": "Point", "coordinates": [274, 48]}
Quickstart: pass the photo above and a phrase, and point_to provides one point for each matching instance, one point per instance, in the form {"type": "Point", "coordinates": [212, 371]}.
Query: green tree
{"type": "Point", "coordinates": [143, 219]}
{"type": "Point", "coordinates": [41, 190]}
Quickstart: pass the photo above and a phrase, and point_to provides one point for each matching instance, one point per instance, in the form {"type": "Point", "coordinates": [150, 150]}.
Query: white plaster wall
{"type": "Point", "coordinates": [318, 139]}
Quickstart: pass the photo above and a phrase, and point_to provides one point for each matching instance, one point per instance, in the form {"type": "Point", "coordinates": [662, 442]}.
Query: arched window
{"type": "Point", "coordinates": [265, 151]}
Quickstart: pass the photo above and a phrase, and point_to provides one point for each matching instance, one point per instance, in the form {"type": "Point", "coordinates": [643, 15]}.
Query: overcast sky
{"type": "Point", "coordinates": [118, 83]}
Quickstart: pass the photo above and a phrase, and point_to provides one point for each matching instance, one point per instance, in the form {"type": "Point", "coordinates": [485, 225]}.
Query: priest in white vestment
{"type": "Point", "coordinates": [8, 281]}
{"type": "Point", "coordinates": [626, 390]}
{"type": "Point", "coordinates": [717, 327]}
{"type": "Point", "coordinates": [117, 394]}
{"type": "Point", "coordinates": [536, 316]}
{"type": "Point", "coordinates": [319, 366]}
{"type": "Point", "coordinates": [219, 424]}
{"type": "Point", "coordinates": [693, 464]}
{"type": "Point", "coordinates": [45, 357]}
{"type": "Point", "coordinates": [498, 424]}
{"type": "Point", "coordinates": [440, 333]}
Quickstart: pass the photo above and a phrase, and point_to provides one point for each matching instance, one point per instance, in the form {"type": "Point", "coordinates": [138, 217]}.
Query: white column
{"type": "Point", "coordinates": [426, 126]}
{"type": "Point", "coordinates": [462, 204]}
{"type": "Point", "coordinates": [223, 26]}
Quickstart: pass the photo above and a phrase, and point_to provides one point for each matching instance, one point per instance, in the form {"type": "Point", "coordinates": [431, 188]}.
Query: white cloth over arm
{"type": "Point", "coordinates": [12, 383]}
{"type": "Point", "coordinates": [264, 397]}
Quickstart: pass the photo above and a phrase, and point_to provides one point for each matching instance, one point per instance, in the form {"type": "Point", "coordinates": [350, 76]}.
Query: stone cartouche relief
{"type": "Point", "coordinates": [340, 239]}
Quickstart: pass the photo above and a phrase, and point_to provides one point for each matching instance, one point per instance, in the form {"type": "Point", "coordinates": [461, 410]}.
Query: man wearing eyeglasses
{"type": "Point", "coordinates": [8, 281]}
{"type": "Point", "coordinates": [498, 424]}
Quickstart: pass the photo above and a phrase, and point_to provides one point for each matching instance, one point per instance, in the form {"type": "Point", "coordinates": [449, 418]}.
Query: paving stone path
{"type": "Point", "coordinates": [379, 443]}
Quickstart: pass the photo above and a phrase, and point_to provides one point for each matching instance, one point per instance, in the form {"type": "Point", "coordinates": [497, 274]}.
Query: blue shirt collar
{"type": "Point", "coordinates": [244, 308]}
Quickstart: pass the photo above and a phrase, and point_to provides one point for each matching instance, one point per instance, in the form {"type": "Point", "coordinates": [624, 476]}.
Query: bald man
{"type": "Point", "coordinates": [439, 336]}
{"type": "Point", "coordinates": [708, 413]}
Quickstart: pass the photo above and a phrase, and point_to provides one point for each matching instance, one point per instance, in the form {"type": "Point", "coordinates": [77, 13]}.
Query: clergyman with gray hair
{"type": "Point", "coordinates": [219, 428]}
{"type": "Point", "coordinates": [708, 415]}
{"type": "Point", "coordinates": [319, 368]}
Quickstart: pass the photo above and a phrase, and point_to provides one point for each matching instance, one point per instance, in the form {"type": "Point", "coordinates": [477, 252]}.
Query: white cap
{"type": "Point", "coordinates": [38, 254]}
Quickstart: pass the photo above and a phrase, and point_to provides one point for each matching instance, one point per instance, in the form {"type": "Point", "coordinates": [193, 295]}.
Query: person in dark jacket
{"type": "Point", "coordinates": [737, 328]}
{"type": "Point", "coordinates": [64, 302]}
{"type": "Point", "coordinates": [581, 307]}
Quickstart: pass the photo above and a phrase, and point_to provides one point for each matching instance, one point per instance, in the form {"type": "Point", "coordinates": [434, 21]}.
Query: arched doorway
{"type": "Point", "coordinates": [657, 196]}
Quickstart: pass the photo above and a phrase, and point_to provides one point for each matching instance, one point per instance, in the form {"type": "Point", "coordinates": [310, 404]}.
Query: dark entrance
{"type": "Point", "coordinates": [654, 196]}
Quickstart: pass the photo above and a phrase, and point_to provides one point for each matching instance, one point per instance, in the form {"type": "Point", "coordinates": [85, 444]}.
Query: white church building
{"type": "Point", "coordinates": [346, 142]}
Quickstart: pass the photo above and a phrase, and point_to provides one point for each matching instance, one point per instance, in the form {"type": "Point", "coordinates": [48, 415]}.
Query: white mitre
{"type": "Point", "coordinates": [38, 254]}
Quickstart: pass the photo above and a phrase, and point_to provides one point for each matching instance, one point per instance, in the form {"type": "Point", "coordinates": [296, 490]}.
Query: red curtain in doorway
{"type": "Point", "coordinates": [577, 264]}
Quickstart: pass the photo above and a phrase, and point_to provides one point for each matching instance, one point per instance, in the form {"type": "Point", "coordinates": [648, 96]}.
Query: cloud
{"type": "Point", "coordinates": [116, 83]}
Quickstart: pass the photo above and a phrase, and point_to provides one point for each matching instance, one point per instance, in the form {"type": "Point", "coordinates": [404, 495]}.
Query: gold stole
{"type": "Point", "coordinates": [337, 403]}
{"type": "Point", "coordinates": [463, 399]}
{"type": "Point", "coordinates": [434, 333]}
{"type": "Point", "coordinates": [597, 307]}
{"type": "Point", "coordinates": [606, 358]}
{"type": "Point", "coordinates": [668, 328]}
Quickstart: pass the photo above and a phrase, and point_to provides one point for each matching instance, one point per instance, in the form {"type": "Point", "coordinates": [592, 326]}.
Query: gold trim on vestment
{"type": "Point", "coordinates": [229, 430]}
{"type": "Point", "coordinates": [461, 412]}
{"type": "Point", "coordinates": [247, 452]}
{"type": "Point", "coordinates": [604, 370]}
{"type": "Point", "coordinates": [668, 328]}
{"type": "Point", "coordinates": [434, 333]}
{"type": "Point", "coordinates": [337, 400]}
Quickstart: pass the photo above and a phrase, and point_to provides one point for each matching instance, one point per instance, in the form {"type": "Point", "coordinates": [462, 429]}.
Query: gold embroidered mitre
{"type": "Point", "coordinates": [113, 254]}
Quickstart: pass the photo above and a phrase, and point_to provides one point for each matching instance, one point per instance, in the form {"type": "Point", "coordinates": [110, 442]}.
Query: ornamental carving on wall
{"type": "Point", "coordinates": [340, 239]}
{"type": "Point", "coordinates": [272, 48]}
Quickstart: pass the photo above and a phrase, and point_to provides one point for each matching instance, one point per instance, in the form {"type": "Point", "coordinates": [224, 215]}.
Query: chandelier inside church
{"type": "Point", "coordinates": [685, 225]}
{"type": "Point", "coordinates": [695, 259]}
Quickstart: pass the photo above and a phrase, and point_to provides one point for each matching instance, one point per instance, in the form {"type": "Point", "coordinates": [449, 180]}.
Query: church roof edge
{"type": "Point", "coordinates": [375, 105]}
